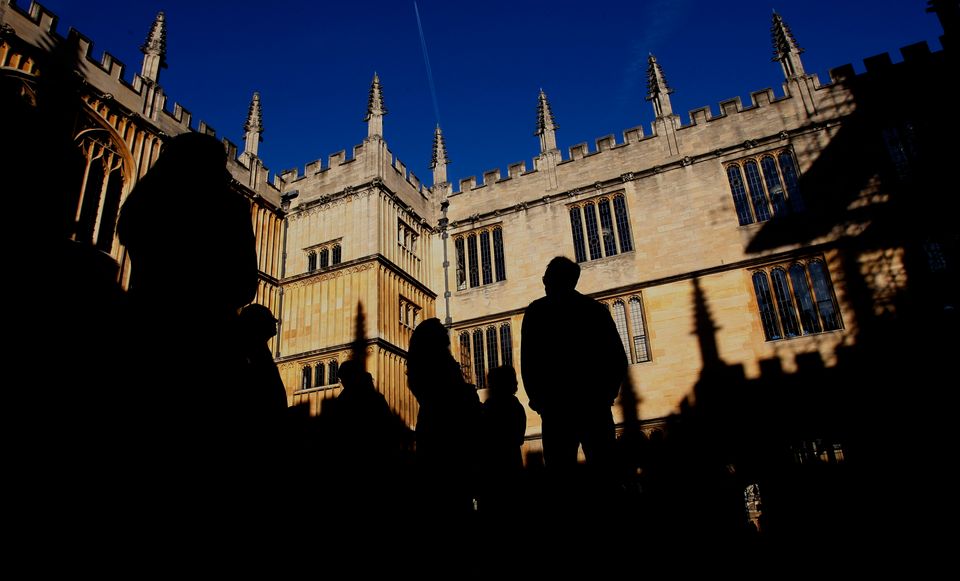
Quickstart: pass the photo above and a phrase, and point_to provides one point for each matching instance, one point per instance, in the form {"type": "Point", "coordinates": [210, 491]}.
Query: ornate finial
{"type": "Point", "coordinates": [375, 106]}
{"type": "Point", "coordinates": [254, 120]}
{"type": "Point", "coordinates": [156, 42]}
{"type": "Point", "coordinates": [656, 82]}
{"type": "Point", "coordinates": [785, 48]}
{"type": "Point", "coordinates": [439, 149]}
{"type": "Point", "coordinates": [783, 41]}
{"type": "Point", "coordinates": [545, 122]}
{"type": "Point", "coordinates": [658, 91]}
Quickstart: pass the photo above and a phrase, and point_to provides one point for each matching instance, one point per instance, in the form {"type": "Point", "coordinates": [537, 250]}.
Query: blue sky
{"type": "Point", "coordinates": [313, 61]}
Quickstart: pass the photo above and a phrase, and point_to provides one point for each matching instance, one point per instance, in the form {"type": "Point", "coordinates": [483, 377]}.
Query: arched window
{"type": "Point", "coordinates": [487, 267]}
{"type": "Point", "coordinates": [472, 254]}
{"type": "Point", "coordinates": [478, 362]}
{"type": "Point", "coordinates": [576, 225]}
{"type": "Point", "coordinates": [739, 195]}
{"type": "Point", "coordinates": [506, 345]}
{"type": "Point", "coordinates": [336, 254]}
{"type": "Point", "coordinates": [606, 227]}
{"type": "Point", "coordinates": [492, 350]}
{"type": "Point", "coordinates": [623, 223]}
{"type": "Point", "coordinates": [638, 327]}
{"type": "Point", "coordinates": [319, 375]}
{"type": "Point", "coordinates": [620, 318]}
{"type": "Point", "coordinates": [324, 258]}
{"type": "Point", "coordinates": [760, 206]}
{"type": "Point", "coordinates": [823, 290]}
{"type": "Point", "coordinates": [465, 356]}
{"type": "Point", "coordinates": [305, 377]}
{"type": "Point", "coordinates": [791, 180]}
{"type": "Point", "coordinates": [311, 261]}
{"type": "Point", "coordinates": [774, 187]}
{"type": "Point", "coordinates": [333, 368]}
{"type": "Point", "coordinates": [593, 233]}
{"type": "Point", "coordinates": [768, 317]}
{"type": "Point", "coordinates": [498, 258]}
{"type": "Point", "coordinates": [786, 308]}
{"type": "Point", "coordinates": [801, 290]}
{"type": "Point", "coordinates": [461, 264]}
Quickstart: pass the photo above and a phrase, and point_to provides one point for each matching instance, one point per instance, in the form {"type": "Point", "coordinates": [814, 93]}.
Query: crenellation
{"type": "Point", "coordinates": [761, 98]}
{"type": "Point", "coordinates": [606, 143]}
{"type": "Point", "coordinates": [578, 151]}
{"type": "Point", "coordinates": [467, 184]}
{"type": "Point", "coordinates": [414, 181]}
{"type": "Point", "coordinates": [290, 175]}
{"type": "Point", "coordinates": [400, 167]}
{"type": "Point", "coordinates": [337, 158]}
{"type": "Point", "coordinates": [517, 169]}
{"type": "Point", "coordinates": [633, 135]}
{"type": "Point", "coordinates": [842, 74]}
{"type": "Point", "coordinates": [206, 129]}
{"type": "Point", "coordinates": [314, 167]}
{"type": "Point", "coordinates": [730, 106]}
{"type": "Point", "coordinates": [917, 51]}
{"type": "Point", "coordinates": [878, 62]}
{"type": "Point", "coordinates": [230, 147]}
{"type": "Point", "coordinates": [491, 177]}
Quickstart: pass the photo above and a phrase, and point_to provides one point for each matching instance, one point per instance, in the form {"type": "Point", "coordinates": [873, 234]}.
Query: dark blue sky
{"type": "Point", "coordinates": [313, 61]}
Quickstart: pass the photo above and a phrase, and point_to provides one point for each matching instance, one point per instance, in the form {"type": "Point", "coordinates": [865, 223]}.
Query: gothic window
{"type": "Point", "coordinates": [472, 254]}
{"type": "Point", "coordinates": [765, 186]}
{"type": "Point", "coordinates": [311, 261]}
{"type": "Point", "coordinates": [498, 258]}
{"type": "Point", "coordinates": [593, 235]}
{"type": "Point", "coordinates": [407, 237]}
{"type": "Point", "coordinates": [480, 257]}
{"type": "Point", "coordinates": [492, 362]}
{"type": "Point", "coordinates": [627, 313]}
{"type": "Point", "coordinates": [409, 313]}
{"type": "Point", "coordinates": [318, 375]}
{"type": "Point", "coordinates": [506, 345]}
{"type": "Point", "coordinates": [305, 377]}
{"type": "Point", "coordinates": [482, 349]}
{"type": "Point", "coordinates": [486, 267]}
{"type": "Point", "coordinates": [576, 224]}
{"type": "Point", "coordinates": [598, 229]}
{"type": "Point", "coordinates": [802, 301]}
{"type": "Point", "coordinates": [465, 356]}
{"type": "Point", "coordinates": [324, 258]}
{"type": "Point", "coordinates": [478, 362]}
{"type": "Point", "coordinates": [336, 254]}
{"type": "Point", "coordinates": [333, 368]}
{"type": "Point", "coordinates": [461, 264]}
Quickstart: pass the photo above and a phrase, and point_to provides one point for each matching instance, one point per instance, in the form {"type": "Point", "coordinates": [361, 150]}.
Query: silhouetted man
{"type": "Point", "coordinates": [572, 364]}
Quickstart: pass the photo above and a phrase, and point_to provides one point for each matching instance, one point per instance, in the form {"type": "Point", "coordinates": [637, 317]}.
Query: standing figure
{"type": "Point", "coordinates": [572, 363]}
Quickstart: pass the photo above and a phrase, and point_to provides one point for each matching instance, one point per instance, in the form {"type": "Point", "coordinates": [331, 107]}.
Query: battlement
{"type": "Point", "coordinates": [336, 168]}
{"type": "Point", "coordinates": [801, 103]}
{"type": "Point", "coordinates": [105, 77]}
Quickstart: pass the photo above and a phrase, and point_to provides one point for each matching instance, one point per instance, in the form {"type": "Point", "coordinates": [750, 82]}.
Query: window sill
{"type": "Point", "coordinates": [807, 336]}
{"type": "Point", "coordinates": [317, 389]}
{"type": "Point", "coordinates": [489, 285]}
{"type": "Point", "coordinates": [611, 258]}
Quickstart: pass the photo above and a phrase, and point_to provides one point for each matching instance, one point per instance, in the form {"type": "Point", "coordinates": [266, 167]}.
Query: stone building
{"type": "Point", "coordinates": [774, 217]}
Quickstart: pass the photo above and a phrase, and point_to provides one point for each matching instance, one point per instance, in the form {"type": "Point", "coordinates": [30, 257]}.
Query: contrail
{"type": "Point", "coordinates": [426, 61]}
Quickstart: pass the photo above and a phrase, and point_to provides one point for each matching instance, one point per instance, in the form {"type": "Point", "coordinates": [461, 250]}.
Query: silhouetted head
{"type": "Point", "coordinates": [429, 336]}
{"type": "Point", "coordinates": [502, 380]}
{"type": "Point", "coordinates": [561, 276]}
{"type": "Point", "coordinates": [352, 374]}
{"type": "Point", "coordinates": [258, 322]}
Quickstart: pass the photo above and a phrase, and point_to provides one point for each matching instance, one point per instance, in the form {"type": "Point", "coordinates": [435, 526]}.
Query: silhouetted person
{"type": "Point", "coordinates": [572, 362]}
{"type": "Point", "coordinates": [265, 397]}
{"type": "Point", "coordinates": [447, 423]}
{"type": "Point", "coordinates": [191, 245]}
{"type": "Point", "coordinates": [504, 425]}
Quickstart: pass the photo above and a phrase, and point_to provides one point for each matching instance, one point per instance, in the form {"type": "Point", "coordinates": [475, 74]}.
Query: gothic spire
{"type": "Point", "coordinates": [154, 50]}
{"type": "Point", "coordinates": [253, 128]}
{"type": "Point", "coordinates": [546, 127]}
{"type": "Point", "coordinates": [439, 161]}
{"type": "Point", "coordinates": [658, 91]}
{"type": "Point", "coordinates": [785, 48]}
{"type": "Point", "coordinates": [375, 109]}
